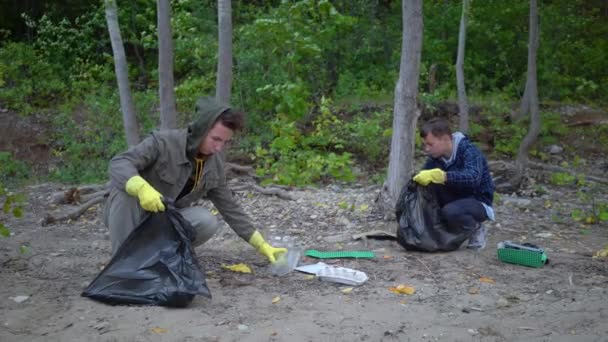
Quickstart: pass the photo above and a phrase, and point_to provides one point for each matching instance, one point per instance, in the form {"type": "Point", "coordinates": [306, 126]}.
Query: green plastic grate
{"type": "Point", "coordinates": [340, 254]}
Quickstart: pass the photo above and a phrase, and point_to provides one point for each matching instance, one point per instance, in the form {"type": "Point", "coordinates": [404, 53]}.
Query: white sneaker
{"type": "Point", "coordinates": [477, 241]}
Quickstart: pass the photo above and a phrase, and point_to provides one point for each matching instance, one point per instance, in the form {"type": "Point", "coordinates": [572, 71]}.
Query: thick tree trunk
{"type": "Point", "coordinates": [122, 75]}
{"type": "Point", "coordinates": [168, 115]}
{"type": "Point", "coordinates": [406, 112]}
{"type": "Point", "coordinates": [463, 103]}
{"type": "Point", "coordinates": [521, 161]}
{"type": "Point", "coordinates": [224, 60]}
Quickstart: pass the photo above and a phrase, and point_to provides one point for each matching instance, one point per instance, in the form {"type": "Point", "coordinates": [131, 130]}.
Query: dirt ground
{"type": "Point", "coordinates": [460, 296]}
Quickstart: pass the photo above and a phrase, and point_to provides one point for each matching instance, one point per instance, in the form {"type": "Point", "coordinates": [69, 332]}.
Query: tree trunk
{"type": "Point", "coordinates": [122, 75]}
{"type": "Point", "coordinates": [168, 116]}
{"type": "Point", "coordinates": [463, 104]}
{"type": "Point", "coordinates": [224, 60]}
{"type": "Point", "coordinates": [521, 161]}
{"type": "Point", "coordinates": [406, 112]}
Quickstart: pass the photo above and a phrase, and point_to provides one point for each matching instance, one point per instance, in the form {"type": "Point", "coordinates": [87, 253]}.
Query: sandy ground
{"type": "Point", "coordinates": [566, 300]}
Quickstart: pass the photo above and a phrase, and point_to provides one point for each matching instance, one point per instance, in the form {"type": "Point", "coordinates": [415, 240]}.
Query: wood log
{"type": "Point", "coordinates": [73, 214]}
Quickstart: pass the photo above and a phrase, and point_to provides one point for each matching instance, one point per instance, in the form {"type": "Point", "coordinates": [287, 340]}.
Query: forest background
{"type": "Point", "coordinates": [316, 78]}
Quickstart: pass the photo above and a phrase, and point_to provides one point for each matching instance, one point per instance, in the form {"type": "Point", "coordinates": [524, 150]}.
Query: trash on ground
{"type": "Point", "coordinates": [342, 275]}
{"type": "Point", "coordinates": [19, 299]}
{"type": "Point", "coordinates": [286, 262]}
{"type": "Point", "coordinates": [340, 254]}
{"type": "Point", "coordinates": [376, 234]}
{"type": "Point", "coordinates": [525, 254]}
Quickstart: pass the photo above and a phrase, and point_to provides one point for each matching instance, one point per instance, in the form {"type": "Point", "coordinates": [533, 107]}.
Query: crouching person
{"type": "Point", "coordinates": [458, 171]}
{"type": "Point", "coordinates": [183, 165]}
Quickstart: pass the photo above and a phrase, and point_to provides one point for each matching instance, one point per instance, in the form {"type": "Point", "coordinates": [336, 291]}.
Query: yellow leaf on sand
{"type": "Point", "coordinates": [601, 254]}
{"type": "Point", "coordinates": [214, 212]}
{"type": "Point", "coordinates": [402, 289]}
{"type": "Point", "coordinates": [347, 290]}
{"type": "Point", "coordinates": [309, 276]}
{"type": "Point", "coordinates": [487, 280]}
{"type": "Point", "coordinates": [238, 268]}
{"type": "Point", "coordinates": [473, 290]}
{"type": "Point", "coordinates": [276, 299]}
{"type": "Point", "coordinates": [159, 330]}
{"type": "Point", "coordinates": [363, 207]}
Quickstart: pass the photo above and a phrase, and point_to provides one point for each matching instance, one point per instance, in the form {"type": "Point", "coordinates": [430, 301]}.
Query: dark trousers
{"type": "Point", "coordinates": [458, 212]}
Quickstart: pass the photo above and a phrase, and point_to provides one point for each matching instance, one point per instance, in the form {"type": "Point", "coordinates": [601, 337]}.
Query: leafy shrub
{"type": "Point", "coordinates": [12, 171]}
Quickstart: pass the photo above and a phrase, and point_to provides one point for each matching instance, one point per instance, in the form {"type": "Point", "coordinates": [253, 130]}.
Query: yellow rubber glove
{"type": "Point", "coordinates": [149, 198]}
{"type": "Point", "coordinates": [258, 242]}
{"type": "Point", "coordinates": [425, 177]}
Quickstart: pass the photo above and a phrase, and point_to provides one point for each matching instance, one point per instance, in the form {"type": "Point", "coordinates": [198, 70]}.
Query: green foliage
{"type": "Point", "coordinates": [86, 143]}
{"type": "Point", "coordinates": [295, 158]}
{"type": "Point", "coordinates": [12, 171]}
{"type": "Point", "coordinates": [368, 137]}
{"type": "Point", "coordinates": [594, 211]}
{"type": "Point", "coordinates": [13, 205]}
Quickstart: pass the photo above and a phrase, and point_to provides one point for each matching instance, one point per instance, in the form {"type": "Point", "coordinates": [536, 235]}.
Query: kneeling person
{"type": "Point", "coordinates": [184, 165]}
{"type": "Point", "coordinates": [460, 175]}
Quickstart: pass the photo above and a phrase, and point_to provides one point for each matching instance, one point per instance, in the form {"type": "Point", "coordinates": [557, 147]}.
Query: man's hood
{"type": "Point", "coordinates": [206, 113]}
{"type": "Point", "coordinates": [457, 137]}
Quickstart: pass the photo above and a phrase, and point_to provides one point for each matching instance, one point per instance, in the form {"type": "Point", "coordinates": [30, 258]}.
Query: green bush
{"type": "Point", "coordinates": [13, 172]}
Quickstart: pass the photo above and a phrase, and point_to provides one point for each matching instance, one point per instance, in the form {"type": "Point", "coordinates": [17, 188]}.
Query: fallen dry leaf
{"type": "Point", "coordinates": [387, 257]}
{"type": "Point", "coordinates": [347, 290]}
{"type": "Point", "coordinates": [276, 299]}
{"type": "Point", "coordinates": [402, 289]}
{"type": "Point", "coordinates": [487, 280]}
{"type": "Point", "coordinates": [242, 268]}
{"type": "Point", "coordinates": [473, 290]}
{"type": "Point", "coordinates": [159, 330]}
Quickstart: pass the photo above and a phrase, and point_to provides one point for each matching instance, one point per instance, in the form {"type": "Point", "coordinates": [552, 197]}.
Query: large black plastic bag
{"type": "Point", "coordinates": [156, 265]}
{"type": "Point", "coordinates": [420, 225]}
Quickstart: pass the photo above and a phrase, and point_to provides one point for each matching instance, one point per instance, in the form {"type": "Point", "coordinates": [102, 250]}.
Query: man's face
{"type": "Point", "coordinates": [215, 140]}
{"type": "Point", "coordinates": [437, 146]}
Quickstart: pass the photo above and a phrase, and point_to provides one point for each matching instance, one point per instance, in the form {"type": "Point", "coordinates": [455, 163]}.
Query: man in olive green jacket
{"type": "Point", "coordinates": [182, 165]}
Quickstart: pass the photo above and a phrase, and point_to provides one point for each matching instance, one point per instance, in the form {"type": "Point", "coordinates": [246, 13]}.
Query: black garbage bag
{"type": "Point", "coordinates": [156, 265]}
{"type": "Point", "coordinates": [420, 225]}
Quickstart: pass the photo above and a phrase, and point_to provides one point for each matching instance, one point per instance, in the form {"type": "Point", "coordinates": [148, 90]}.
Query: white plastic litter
{"type": "Point", "coordinates": [313, 268]}
{"type": "Point", "coordinates": [342, 275]}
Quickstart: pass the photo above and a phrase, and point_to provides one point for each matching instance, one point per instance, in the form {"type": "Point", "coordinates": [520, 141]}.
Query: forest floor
{"type": "Point", "coordinates": [460, 296]}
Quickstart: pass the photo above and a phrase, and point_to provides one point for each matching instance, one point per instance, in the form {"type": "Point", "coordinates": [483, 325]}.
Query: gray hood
{"type": "Point", "coordinates": [206, 113]}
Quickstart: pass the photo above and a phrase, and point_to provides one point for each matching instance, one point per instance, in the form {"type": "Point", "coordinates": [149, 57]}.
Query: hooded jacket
{"type": "Point", "coordinates": [165, 159]}
{"type": "Point", "coordinates": [467, 171]}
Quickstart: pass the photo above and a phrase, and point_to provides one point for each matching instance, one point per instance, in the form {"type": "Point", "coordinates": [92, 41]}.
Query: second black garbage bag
{"type": "Point", "coordinates": [420, 225]}
{"type": "Point", "coordinates": [156, 265]}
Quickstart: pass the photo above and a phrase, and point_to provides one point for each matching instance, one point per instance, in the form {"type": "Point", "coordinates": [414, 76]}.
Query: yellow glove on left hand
{"type": "Point", "coordinates": [425, 177]}
{"type": "Point", "coordinates": [258, 242]}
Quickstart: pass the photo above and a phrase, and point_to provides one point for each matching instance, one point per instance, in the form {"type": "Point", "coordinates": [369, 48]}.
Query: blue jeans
{"type": "Point", "coordinates": [459, 212]}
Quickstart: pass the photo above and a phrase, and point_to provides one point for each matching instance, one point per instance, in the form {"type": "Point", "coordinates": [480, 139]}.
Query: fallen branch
{"type": "Point", "coordinates": [270, 191]}
{"type": "Point", "coordinates": [94, 199]}
{"type": "Point", "coordinates": [238, 168]}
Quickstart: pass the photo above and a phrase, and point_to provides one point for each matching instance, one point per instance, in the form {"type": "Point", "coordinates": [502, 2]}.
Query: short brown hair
{"type": "Point", "coordinates": [233, 119]}
{"type": "Point", "coordinates": [437, 127]}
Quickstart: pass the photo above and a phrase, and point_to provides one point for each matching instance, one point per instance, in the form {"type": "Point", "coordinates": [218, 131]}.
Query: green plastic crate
{"type": "Point", "coordinates": [522, 256]}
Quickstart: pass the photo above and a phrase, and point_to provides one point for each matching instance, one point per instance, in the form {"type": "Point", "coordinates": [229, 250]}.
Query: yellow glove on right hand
{"type": "Point", "coordinates": [149, 198]}
{"type": "Point", "coordinates": [271, 253]}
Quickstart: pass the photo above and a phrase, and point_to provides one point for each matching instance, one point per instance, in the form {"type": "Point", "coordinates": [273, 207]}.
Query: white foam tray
{"type": "Point", "coordinates": [342, 275]}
